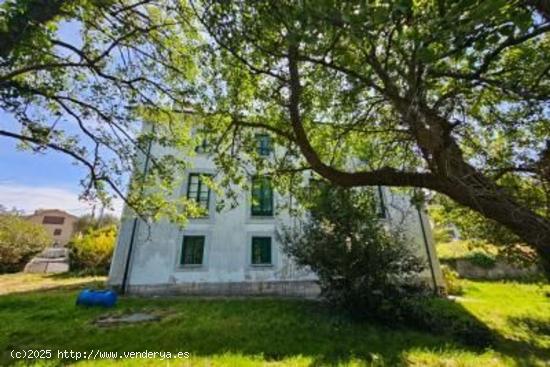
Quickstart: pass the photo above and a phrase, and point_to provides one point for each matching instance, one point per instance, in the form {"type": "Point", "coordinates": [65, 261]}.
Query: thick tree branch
{"type": "Point", "coordinates": [384, 176]}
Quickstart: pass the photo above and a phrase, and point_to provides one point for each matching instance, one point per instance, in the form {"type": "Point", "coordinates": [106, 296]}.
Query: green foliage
{"type": "Point", "coordinates": [86, 223]}
{"type": "Point", "coordinates": [518, 255]}
{"type": "Point", "coordinates": [349, 60]}
{"type": "Point", "coordinates": [452, 281]}
{"type": "Point", "coordinates": [482, 259]}
{"type": "Point", "coordinates": [482, 238]}
{"type": "Point", "coordinates": [453, 250]}
{"type": "Point", "coordinates": [461, 249]}
{"type": "Point", "coordinates": [143, 51]}
{"type": "Point", "coordinates": [20, 240]}
{"type": "Point", "coordinates": [361, 266]}
{"type": "Point", "coordinates": [446, 95]}
{"type": "Point", "coordinates": [92, 251]}
{"type": "Point", "coordinates": [471, 225]}
{"type": "Point", "coordinates": [442, 234]}
{"type": "Point", "coordinates": [455, 90]}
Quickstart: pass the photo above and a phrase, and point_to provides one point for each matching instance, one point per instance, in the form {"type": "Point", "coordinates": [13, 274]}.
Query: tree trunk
{"type": "Point", "coordinates": [498, 206]}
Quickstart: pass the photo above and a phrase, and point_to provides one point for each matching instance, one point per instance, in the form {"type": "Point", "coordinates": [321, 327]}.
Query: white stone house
{"type": "Point", "coordinates": [235, 251]}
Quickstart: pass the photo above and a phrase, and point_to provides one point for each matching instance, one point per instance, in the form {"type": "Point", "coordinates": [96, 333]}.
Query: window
{"type": "Point", "coordinates": [261, 250]}
{"type": "Point", "coordinates": [382, 205]}
{"type": "Point", "coordinates": [262, 197]}
{"type": "Point", "coordinates": [263, 144]}
{"type": "Point", "coordinates": [203, 147]}
{"type": "Point", "coordinates": [192, 251]}
{"type": "Point", "coordinates": [57, 232]}
{"type": "Point", "coordinates": [53, 220]}
{"type": "Point", "coordinates": [198, 191]}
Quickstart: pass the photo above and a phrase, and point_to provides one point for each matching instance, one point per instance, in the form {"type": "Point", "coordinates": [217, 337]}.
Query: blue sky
{"type": "Point", "coordinates": [29, 181]}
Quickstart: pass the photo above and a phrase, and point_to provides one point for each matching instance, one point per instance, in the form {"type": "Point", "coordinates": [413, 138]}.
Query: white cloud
{"type": "Point", "coordinates": [30, 198]}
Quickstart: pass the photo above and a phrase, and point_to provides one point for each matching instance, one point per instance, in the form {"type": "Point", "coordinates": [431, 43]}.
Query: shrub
{"type": "Point", "coordinates": [482, 259]}
{"type": "Point", "coordinates": [519, 255]}
{"type": "Point", "coordinates": [20, 240]}
{"type": "Point", "coordinates": [361, 267]}
{"type": "Point", "coordinates": [88, 222]}
{"type": "Point", "coordinates": [92, 252]}
{"type": "Point", "coordinates": [367, 270]}
{"type": "Point", "coordinates": [452, 281]}
{"type": "Point", "coordinates": [453, 250]}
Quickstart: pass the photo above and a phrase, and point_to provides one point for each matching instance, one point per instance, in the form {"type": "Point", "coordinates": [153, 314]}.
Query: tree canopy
{"type": "Point", "coordinates": [451, 96]}
{"type": "Point", "coordinates": [77, 77]}
{"type": "Point", "coordinates": [20, 240]}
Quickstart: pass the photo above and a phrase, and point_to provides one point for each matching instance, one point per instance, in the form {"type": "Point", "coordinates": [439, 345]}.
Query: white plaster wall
{"type": "Point", "coordinates": [404, 216]}
{"type": "Point", "coordinates": [157, 247]}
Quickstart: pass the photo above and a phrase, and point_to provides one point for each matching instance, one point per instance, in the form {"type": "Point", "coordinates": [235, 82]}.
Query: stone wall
{"type": "Point", "coordinates": [303, 289]}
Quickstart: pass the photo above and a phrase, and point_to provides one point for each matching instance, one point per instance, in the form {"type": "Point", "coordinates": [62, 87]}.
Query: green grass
{"type": "Point", "coordinates": [267, 332]}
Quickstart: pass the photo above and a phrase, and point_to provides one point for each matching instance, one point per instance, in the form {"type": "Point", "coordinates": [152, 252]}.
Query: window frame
{"type": "Point", "coordinates": [53, 219]}
{"type": "Point", "coordinates": [197, 197]}
{"type": "Point", "coordinates": [264, 150]}
{"type": "Point", "coordinates": [270, 259]}
{"type": "Point", "coordinates": [183, 246]}
{"type": "Point", "coordinates": [256, 212]}
{"type": "Point", "coordinates": [203, 147]}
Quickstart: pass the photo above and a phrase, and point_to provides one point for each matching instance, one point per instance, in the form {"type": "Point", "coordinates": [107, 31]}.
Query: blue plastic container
{"type": "Point", "coordinates": [89, 297]}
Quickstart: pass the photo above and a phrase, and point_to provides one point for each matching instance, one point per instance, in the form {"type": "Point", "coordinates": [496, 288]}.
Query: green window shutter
{"type": "Point", "coordinates": [261, 250]}
{"type": "Point", "coordinates": [192, 250]}
{"type": "Point", "coordinates": [262, 197]}
{"type": "Point", "coordinates": [198, 191]}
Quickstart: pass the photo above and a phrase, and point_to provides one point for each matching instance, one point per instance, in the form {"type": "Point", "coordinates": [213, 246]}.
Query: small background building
{"type": "Point", "coordinates": [59, 223]}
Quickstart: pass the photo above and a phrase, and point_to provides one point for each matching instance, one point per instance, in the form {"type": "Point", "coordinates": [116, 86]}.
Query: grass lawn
{"type": "Point", "coordinates": [267, 332]}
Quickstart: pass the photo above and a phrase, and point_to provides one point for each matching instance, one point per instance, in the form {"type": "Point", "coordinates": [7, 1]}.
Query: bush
{"type": "Point", "coordinates": [452, 281]}
{"type": "Point", "coordinates": [361, 267]}
{"type": "Point", "coordinates": [92, 252]}
{"type": "Point", "coordinates": [482, 259]}
{"type": "Point", "coordinates": [20, 240]}
{"type": "Point", "coordinates": [88, 222]}
{"type": "Point", "coordinates": [519, 255]}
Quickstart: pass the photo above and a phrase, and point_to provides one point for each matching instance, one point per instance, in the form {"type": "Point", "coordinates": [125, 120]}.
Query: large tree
{"type": "Point", "coordinates": [451, 96]}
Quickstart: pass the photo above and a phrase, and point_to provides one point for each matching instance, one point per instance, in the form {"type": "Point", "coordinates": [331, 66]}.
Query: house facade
{"type": "Point", "coordinates": [236, 251]}
{"type": "Point", "coordinates": [59, 224]}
